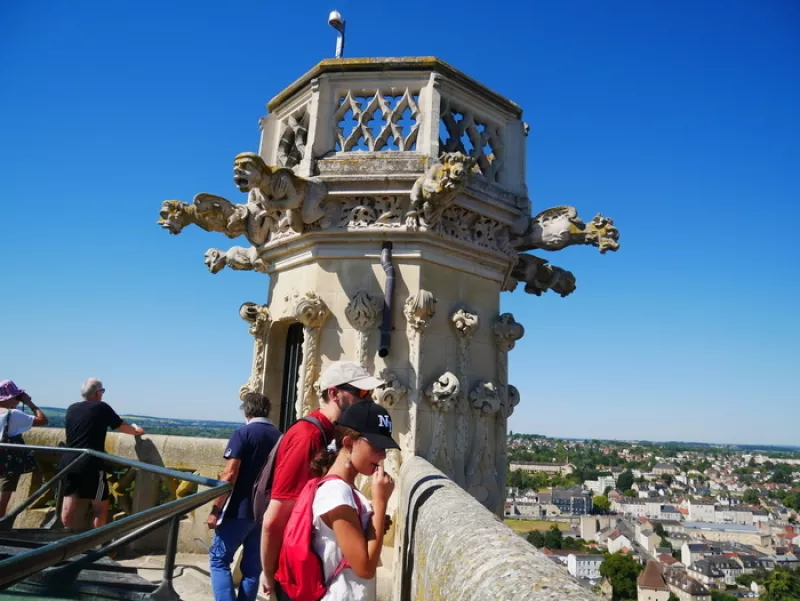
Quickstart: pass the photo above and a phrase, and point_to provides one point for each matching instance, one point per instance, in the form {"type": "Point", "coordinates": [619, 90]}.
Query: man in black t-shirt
{"type": "Point", "coordinates": [87, 423]}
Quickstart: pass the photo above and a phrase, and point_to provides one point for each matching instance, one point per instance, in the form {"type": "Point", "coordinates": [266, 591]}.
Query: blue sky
{"type": "Point", "coordinates": [678, 119]}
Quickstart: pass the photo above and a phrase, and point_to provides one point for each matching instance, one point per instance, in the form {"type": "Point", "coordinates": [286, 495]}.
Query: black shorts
{"type": "Point", "coordinates": [87, 484]}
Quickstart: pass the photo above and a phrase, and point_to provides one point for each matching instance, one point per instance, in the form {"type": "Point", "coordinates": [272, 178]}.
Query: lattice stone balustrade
{"type": "Point", "coordinates": [418, 106]}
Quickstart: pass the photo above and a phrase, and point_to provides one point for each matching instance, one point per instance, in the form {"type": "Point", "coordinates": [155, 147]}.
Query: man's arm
{"type": "Point", "coordinates": [275, 518]}
{"type": "Point", "coordinates": [126, 428]}
{"type": "Point", "coordinates": [229, 474]}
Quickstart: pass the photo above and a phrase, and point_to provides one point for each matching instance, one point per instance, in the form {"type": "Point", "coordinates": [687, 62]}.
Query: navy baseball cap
{"type": "Point", "coordinates": [372, 421]}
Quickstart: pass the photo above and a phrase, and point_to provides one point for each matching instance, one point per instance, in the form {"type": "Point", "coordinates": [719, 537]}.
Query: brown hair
{"type": "Point", "coordinates": [322, 461]}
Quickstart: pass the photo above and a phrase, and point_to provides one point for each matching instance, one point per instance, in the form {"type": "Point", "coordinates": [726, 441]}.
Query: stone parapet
{"type": "Point", "coordinates": [448, 546]}
{"type": "Point", "coordinates": [133, 491]}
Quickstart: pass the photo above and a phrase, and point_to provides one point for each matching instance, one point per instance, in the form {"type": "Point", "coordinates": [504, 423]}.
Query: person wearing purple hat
{"type": "Point", "coordinates": [346, 524]}
{"type": "Point", "coordinates": [13, 423]}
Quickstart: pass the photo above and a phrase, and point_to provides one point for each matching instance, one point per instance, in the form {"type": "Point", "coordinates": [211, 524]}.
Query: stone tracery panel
{"type": "Point", "coordinates": [292, 145]}
{"type": "Point", "coordinates": [376, 120]}
{"type": "Point", "coordinates": [463, 130]}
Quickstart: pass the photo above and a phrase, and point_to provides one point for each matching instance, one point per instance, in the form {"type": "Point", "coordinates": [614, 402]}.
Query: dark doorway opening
{"type": "Point", "coordinates": [293, 358]}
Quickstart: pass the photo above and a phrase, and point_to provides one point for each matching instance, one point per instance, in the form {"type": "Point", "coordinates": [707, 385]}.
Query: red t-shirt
{"type": "Point", "coordinates": [298, 447]}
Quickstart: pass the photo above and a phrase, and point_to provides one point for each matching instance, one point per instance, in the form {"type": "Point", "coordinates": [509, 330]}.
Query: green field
{"type": "Point", "coordinates": [523, 526]}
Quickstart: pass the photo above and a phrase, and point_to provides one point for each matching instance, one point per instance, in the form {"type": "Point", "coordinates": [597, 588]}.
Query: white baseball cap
{"type": "Point", "coordinates": [348, 372]}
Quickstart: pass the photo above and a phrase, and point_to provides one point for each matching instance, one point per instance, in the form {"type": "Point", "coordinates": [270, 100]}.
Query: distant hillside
{"type": "Point", "coordinates": [161, 425]}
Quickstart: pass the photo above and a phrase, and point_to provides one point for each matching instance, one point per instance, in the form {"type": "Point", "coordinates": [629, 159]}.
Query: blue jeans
{"type": "Point", "coordinates": [228, 537]}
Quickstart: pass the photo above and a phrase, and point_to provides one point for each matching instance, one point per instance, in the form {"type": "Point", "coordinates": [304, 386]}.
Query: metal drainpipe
{"type": "Point", "coordinates": [386, 321]}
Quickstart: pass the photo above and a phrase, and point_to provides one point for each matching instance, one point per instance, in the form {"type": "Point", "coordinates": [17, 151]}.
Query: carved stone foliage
{"type": "Point", "coordinates": [560, 227]}
{"type": "Point", "coordinates": [466, 132]}
{"type": "Point", "coordinates": [363, 312]}
{"type": "Point", "coordinates": [539, 277]}
{"type": "Point", "coordinates": [418, 309]}
{"type": "Point", "coordinates": [392, 394]}
{"type": "Point", "coordinates": [468, 226]}
{"type": "Point", "coordinates": [465, 324]}
{"type": "Point", "coordinates": [484, 397]}
{"type": "Point", "coordinates": [443, 393]}
{"type": "Point", "coordinates": [507, 331]}
{"type": "Point", "coordinates": [376, 120]}
{"type": "Point", "coordinates": [437, 190]}
{"type": "Point", "coordinates": [309, 309]}
{"type": "Point", "coordinates": [292, 145]}
{"type": "Point", "coordinates": [362, 212]}
{"type": "Point", "coordinates": [512, 402]}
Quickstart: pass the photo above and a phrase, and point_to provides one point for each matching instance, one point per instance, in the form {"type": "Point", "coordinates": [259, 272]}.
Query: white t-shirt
{"type": "Point", "coordinates": [347, 586]}
{"type": "Point", "coordinates": [20, 422]}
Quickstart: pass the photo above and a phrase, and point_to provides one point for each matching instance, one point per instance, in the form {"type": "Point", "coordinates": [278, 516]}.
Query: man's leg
{"type": "Point", "coordinates": [99, 513]}
{"type": "Point", "coordinates": [227, 538]}
{"type": "Point", "coordinates": [250, 564]}
{"type": "Point", "coordinates": [8, 484]}
{"type": "Point", "coordinates": [68, 508]}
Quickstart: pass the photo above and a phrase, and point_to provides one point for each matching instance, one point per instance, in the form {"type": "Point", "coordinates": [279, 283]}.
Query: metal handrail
{"type": "Point", "coordinates": [19, 567]}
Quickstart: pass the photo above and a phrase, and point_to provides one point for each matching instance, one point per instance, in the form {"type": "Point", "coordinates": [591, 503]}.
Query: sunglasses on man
{"type": "Point", "coordinates": [362, 394]}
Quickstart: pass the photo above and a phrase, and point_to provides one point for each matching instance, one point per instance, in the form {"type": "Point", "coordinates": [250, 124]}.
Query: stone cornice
{"type": "Point", "coordinates": [393, 64]}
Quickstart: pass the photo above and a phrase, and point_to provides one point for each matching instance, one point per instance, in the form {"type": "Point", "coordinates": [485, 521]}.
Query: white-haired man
{"type": "Point", "coordinates": [86, 423]}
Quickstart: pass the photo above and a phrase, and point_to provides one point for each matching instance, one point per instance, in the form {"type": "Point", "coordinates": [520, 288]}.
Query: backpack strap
{"type": "Point", "coordinates": [4, 436]}
{"type": "Point", "coordinates": [313, 420]}
{"type": "Point", "coordinates": [343, 563]}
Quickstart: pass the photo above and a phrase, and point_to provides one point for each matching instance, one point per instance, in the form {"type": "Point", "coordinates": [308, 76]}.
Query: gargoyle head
{"type": "Point", "coordinates": [174, 215]}
{"type": "Point", "coordinates": [215, 260]}
{"type": "Point", "coordinates": [250, 171]}
{"type": "Point", "coordinates": [602, 234]}
{"type": "Point", "coordinates": [456, 170]}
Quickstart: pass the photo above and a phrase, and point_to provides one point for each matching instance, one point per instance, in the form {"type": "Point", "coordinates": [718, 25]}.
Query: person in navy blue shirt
{"type": "Point", "coordinates": [231, 516]}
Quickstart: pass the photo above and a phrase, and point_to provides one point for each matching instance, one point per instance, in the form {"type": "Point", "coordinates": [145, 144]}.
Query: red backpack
{"type": "Point", "coordinates": [300, 571]}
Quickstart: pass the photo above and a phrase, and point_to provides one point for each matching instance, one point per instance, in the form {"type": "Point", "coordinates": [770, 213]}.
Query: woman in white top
{"type": "Point", "coordinates": [363, 434]}
{"type": "Point", "coordinates": [12, 424]}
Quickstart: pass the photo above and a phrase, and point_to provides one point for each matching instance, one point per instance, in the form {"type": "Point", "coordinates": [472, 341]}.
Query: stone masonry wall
{"type": "Point", "coordinates": [451, 547]}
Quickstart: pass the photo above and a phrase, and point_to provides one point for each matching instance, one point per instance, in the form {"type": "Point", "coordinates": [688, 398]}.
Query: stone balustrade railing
{"type": "Point", "coordinates": [448, 546]}
{"type": "Point", "coordinates": [132, 490]}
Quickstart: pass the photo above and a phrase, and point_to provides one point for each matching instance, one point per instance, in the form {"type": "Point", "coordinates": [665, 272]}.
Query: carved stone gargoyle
{"type": "Point", "coordinates": [540, 277]}
{"type": "Point", "coordinates": [278, 201]}
{"type": "Point", "coordinates": [560, 227]}
{"type": "Point", "coordinates": [435, 191]}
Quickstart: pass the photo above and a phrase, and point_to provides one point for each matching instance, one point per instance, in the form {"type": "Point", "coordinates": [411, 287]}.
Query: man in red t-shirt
{"type": "Point", "coordinates": [342, 384]}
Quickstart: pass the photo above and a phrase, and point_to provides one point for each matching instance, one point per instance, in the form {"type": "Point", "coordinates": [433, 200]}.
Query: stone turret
{"type": "Point", "coordinates": [388, 204]}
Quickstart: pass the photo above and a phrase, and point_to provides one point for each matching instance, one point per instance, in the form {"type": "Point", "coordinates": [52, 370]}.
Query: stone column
{"type": "Point", "coordinates": [260, 320]}
{"type": "Point", "coordinates": [481, 480]}
{"type": "Point", "coordinates": [310, 310]}
{"type": "Point", "coordinates": [465, 324]}
{"type": "Point", "coordinates": [363, 312]}
{"type": "Point", "coordinates": [506, 333]}
{"type": "Point", "coordinates": [418, 310]}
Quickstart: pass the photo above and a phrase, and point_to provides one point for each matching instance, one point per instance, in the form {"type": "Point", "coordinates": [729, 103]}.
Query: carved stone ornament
{"type": "Point", "coordinates": [419, 309]}
{"type": "Point", "coordinates": [279, 203]}
{"type": "Point", "coordinates": [443, 393]}
{"type": "Point", "coordinates": [309, 309]}
{"type": "Point", "coordinates": [513, 400]}
{"type": "Point", "coordinates": [437, 190]}
{"type": "Point", "coordinates": [560, 227]}
{"type": "Point", "coordinates": [392, 394]}
{"type": "Point", "coordinates": [465, 324]}
{"type": "Point", "coordinates": [237, 258]}
{"type": "Point", "coordinates": [507, 331]}
{"type": "Point", "coordinates": [258, 316]}
{"type": "Point", "coordinates": [484, 398]}
{"type": "Point", "coordinates": [539, 277]}
{"type": "Point", "coordinates": [363, 311]}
